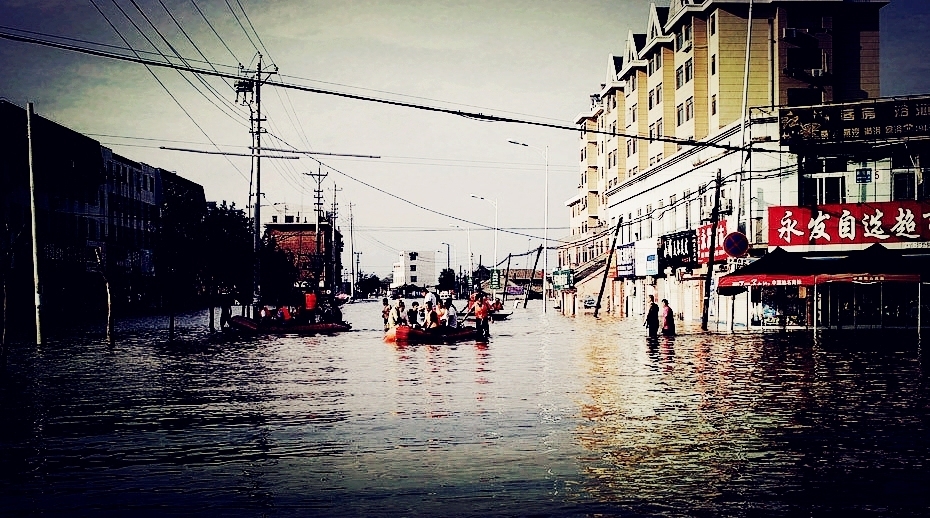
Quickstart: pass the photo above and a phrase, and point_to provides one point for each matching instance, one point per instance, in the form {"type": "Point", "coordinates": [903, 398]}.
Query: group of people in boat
{"type": "Point", "coordinates": [439, 315]}
{"type": "Point", "coordinates": [431, 315]}
{"type": "Point", "coordinates": [313, 309]}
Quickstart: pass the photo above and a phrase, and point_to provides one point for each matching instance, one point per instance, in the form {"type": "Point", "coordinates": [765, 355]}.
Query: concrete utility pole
{"type": "Point", "coordinates": [251, 89]}
{"type": "Point", "coordinates": [352, 249]}
{"type": "Point", "coordinates": [714, 216]}
{"type": "Point", "coordinates": [32, 212]}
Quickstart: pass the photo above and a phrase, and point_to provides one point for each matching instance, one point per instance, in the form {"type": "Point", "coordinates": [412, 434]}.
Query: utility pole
{"type": "Point", "coordinates": [317, 262]}
{"type": "Point", "coordinates": [251, 89]}
{"type": "Point", "coordinates": [32, 212]}
{"type": "Point", "coordinates": [714, 216]}
{"type": "Point", "coordinates": [610, 258]}
{"type": "Point", "coordinates": [358, 267]}
{"type": "Point", "coordinates": [352, 249]}
{"type": "Point", "coordinates": [332, 242]}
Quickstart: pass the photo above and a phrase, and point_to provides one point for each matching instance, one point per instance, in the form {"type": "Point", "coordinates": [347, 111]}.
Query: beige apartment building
{"type": "Point", "coordinates": [682, 81]}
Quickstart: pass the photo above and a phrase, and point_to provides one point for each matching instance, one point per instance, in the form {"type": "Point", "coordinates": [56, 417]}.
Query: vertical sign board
{"type": "Point", "coordinates": [495, 283]}
{"type": "Point", "coordinates": [646, 258]}
{"type": "Point", "coordinates": [703, 242]}
{"type": "Point", "coordinates": [625, 260]}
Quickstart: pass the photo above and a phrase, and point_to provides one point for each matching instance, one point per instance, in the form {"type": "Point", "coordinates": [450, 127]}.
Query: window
{"type": "Point", "coordinates": [689, 109]}
{"type": "Point", "coordinates": [652, 98]}
{"type": "Point", "coordinates": [633, 113]}
{"type": "Point", "coordinates": [659, 93]}
{"type": "Point", "coordinates": [629, 147]}
{"type": "Point", "coordinates": [831, 189]}
{"type": "Point", "coordinates": [903, 186]}
{"type": "Point", "coordinates": [652, 131]}
{"type": "Point", "coordinates": [413, 267]}
{"type": "Point", "coordinates": [631, 82]}
{"type": "Point", "coordinates": [679, 77]}
{"type": "Point", "coordinates": [413, 278]}
{"type": "Point", "coordinates": [713, 104]}
{"type": "Point", "coordinates": [713, 64]}
{"type": "Point", "coordinates": [680, 115]}
{"type": "Point", "coordinates": [659, 131]}
{"type": "Point", "coordinates": [687, 30]}
{"type": "Point", "coordinates": [689, 69]}
{"type": "Point", "coordinates": [712, 24]}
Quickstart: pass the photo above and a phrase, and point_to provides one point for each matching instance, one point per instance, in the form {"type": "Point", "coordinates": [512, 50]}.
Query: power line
{"type": "Point", "coordinates": [281, 84]}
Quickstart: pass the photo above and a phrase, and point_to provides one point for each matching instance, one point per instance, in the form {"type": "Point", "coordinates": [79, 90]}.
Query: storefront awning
{"type": "Point", "coordinates": [783, 268]}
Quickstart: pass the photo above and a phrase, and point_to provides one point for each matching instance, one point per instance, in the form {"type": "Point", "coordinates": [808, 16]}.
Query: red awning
{"type": "Point", "coordinates": [766, 279]}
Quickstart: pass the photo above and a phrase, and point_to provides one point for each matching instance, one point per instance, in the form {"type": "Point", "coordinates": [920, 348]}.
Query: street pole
{"type": "Point", "coordinates": [715, 215]}
{"type": "Point", "coordinates": [545, 153]}
{"type": "Point", "coordinates": [448, 258]}
{"type": "Point", "coordinates": [546, 235]}
{"type": "Point", "coordinates": [32, 215]}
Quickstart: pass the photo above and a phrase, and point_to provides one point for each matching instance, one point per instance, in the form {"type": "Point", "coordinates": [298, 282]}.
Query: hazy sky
{"type": "Point", "coordinates": [536, 60]}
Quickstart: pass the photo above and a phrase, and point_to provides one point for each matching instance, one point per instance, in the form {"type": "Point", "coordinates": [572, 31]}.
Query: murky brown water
{"type": "Point", "coordinates": [554, 417]}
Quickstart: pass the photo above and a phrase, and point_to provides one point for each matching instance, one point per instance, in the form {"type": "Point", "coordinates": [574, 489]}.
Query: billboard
{"type": "Point", "coordinates": [703, 242]}
{"type": "Point", "coordinates": [894, 224]}
{"type": "Point", "coordinates": [871, 120]}
{"type": "Point", "coordinates": [625, 260]}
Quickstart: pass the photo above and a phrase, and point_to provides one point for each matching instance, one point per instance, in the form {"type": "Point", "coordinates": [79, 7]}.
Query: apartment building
{"type": "Point", "coordinates": [682, 84]}
{"type": "Point", "coordinates": [415, 268]}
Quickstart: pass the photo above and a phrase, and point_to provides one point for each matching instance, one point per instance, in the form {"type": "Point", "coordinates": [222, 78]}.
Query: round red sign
{"type": "Point", "coordinates": [736, 244]}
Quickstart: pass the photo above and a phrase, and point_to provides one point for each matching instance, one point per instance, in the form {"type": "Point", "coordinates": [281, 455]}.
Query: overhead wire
{"type": "Point", "coordinates": [159, 81]}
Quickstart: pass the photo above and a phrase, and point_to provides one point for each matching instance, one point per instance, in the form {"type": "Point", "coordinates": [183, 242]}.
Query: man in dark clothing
{"type": "Point", "coordinates": [652, 318]}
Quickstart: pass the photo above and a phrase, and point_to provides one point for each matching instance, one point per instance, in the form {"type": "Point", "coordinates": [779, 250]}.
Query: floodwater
{"type": "Point", "coordinates": [553, 417]}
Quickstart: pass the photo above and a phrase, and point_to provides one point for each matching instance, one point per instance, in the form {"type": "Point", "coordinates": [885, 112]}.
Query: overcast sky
{"type": "Point", "coordinates": [536, 60]}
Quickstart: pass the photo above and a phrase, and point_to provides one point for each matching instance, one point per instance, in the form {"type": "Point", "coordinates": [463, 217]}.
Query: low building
{"type": "Point", "coordinates": [415, 269]}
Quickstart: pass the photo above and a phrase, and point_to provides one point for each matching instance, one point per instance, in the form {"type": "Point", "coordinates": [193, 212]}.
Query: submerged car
{"type": "Point", "coordinates": [589, 302]}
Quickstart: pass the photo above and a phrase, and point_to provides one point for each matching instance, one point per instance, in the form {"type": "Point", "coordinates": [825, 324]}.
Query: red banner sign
{"type": "Point", "coordinates": [703, 240]}
{"type": "Point", "coordinates": [892, 222]}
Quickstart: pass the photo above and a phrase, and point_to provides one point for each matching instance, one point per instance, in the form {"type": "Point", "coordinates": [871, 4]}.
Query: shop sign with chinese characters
{"type": "Point", "coordinates": [853, 122]}
{"type": "Point", "coordinates": [678, 249]}
{"type": "Point", "coordinates": [703, 242]}
{"type": "Point", "coordinates": [895, 224]}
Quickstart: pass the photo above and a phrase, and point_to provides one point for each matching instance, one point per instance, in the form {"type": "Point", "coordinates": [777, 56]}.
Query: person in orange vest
{"type": "Point", "coordinates": [482, 312]}
{"type": "Point", "coordinates": [310, 305]}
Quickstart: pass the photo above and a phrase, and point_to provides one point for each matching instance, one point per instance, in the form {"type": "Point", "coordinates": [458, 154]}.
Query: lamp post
{"type": "Point", "coordinates": [448, 257]}
{"type": "Point", "coordinates": [492, 202]}
{"type": "Point", "coordinates": [545, 153]}
{"type": "Point", "coordinates": [471, 268]}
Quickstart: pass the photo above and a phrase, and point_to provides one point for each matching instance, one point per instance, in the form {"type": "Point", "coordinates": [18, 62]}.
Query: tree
{"type": "Point", "coordinates": [446, 279]}
{"type": "Point", "coordinates": [278, 275]}
{"type": "Point", "coordinates": [228, 257]}
{"type": "Point", "coordinates": [368, 284]}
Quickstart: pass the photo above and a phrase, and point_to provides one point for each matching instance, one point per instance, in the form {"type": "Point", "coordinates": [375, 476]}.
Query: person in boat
{"type": "Point", "coordinates": [310, 307]}
{"type": "Point", "coordinates": [413, 315]}
{"type": "Point", "coordinates": [450, 314]}
{"type": "Point", "coordinates": [431, 321]}
{"type": "Point", "coordinates": [398, 315]}
{"type": "Point", "coordinates": [428, 297]}
{"type": "Point", "coordinates": [482, 315]}
{"type": "Point", "coordinates": [385, 312]}
{"type": "Point", "coordinates": [498, 305]}
{"type": "Point", "coordinates": [283, 315]}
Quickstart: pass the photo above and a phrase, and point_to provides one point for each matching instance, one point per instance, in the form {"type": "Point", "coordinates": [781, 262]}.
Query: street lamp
{"type": "Point", "coordinates": [471, 268]}
{"type": "Point", "coordinates": [492, 202]}
{"type": "Point", "coordinates": [545, 153]}
{"type": "Point", "coordinates": [448, 258]}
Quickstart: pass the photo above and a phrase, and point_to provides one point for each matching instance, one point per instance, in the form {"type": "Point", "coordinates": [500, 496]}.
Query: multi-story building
{"type": "Point", "coordinates": [415, 269]}
{"type": "Point", "coordinates": [317, 254]}
{"type": "Point", "coordinates": [97, 214]}
{"type": "Point", "coordinates": [683, 83]}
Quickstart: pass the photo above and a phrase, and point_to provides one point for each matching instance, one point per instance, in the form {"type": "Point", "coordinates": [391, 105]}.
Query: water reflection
{"type": "Point", "coordinates": [554, 416]}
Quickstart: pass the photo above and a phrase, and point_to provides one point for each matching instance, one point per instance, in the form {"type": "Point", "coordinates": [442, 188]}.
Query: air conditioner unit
{"type": "Point", "coordinates": [817, 72]}
{"type": "Point", "coordinates": [707, 213]}
{"type": "Point", "coordinates": [789, 33]}
{"type": "Point", "coordinates": [726, 206]}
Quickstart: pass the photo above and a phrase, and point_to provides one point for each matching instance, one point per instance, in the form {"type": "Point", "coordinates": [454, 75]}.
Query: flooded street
{"type": "Point", "coordinates": [554, 417]}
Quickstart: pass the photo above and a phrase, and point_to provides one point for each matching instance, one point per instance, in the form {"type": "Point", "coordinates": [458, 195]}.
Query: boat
{"type": "Point", "coordinates": [412, 335]}
{"type": "Point", "coordinates": [247, 325]}
{"type": "Point", "coordinates": [495, 316]}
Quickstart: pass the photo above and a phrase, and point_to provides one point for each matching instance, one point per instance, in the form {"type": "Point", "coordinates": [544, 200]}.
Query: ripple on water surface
{"type": "Point", "coordinates": [554, 416]}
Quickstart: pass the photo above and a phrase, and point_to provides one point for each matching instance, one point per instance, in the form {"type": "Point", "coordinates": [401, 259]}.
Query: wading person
{"type": "Point", "coordinates": [668, 319]}
{"type": "Point", "coordinates": [652, 318]}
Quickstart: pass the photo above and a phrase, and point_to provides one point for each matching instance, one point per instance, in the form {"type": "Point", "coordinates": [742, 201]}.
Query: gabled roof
{"type": "Point", "coordinates": [631, 54]}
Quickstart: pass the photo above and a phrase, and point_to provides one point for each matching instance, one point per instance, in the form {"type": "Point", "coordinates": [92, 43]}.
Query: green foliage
{"type": "Point", "coordinates": [228, 263]}
{"type": "Point", "coordinates": [278, 275]}
{"type": "Point", "coordinates": [368, 285]}
{"type": "Point", "coordinates": [446, 279]}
